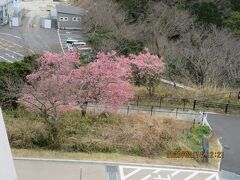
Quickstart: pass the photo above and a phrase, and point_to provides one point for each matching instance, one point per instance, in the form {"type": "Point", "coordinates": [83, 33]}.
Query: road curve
{"type": "Point", "coordinates": [227, 129]}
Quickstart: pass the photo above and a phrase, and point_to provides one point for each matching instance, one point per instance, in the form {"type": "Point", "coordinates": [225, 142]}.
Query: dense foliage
{"type": "Point", "coordinates": [12, 78]}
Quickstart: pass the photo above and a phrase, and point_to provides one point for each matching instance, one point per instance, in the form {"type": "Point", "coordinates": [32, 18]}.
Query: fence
{"type": "Point", "coordinates": [185, 104]}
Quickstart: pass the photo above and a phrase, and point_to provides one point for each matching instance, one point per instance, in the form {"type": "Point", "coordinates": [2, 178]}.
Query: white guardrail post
{"type": "Point", "coordinates": [205, 122]}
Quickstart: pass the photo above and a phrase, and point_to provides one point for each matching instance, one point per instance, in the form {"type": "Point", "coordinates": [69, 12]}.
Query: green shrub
{"type": "Point", "coordinates": [136, 9]}
{"type": "Point", "coordinates": [207, 13]}
{"type": "Point", "coordinates": [233, 22]}
{"type": "Point", "coordinates": [194, 138]}
{"type": "Point", "coordinates": [136, 150]}
{"type": "Point", "coordinates": [12, 79]}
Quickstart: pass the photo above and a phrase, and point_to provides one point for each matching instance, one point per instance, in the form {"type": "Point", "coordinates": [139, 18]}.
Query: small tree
{"type": "Point", "coordinates": [48, 89]}
{"type": "Point", "coordinates": [104, 82]}
{"type": "Point", "coordinates": [149, 67]}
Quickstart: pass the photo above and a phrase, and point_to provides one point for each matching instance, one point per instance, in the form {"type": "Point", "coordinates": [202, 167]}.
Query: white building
{"type": "Point", "coordinates": [6, 11]}
{"type": "Point", "coordinates": [9, 9]}
{"type": "Point", "coordinates": [17, 6]}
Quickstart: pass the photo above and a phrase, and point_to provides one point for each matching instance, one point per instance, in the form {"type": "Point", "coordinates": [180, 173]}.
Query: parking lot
{"type": "Point", "coordinates": [69, 34]}
{"type": "Point", "coordinates": [30, 38]}
{"type": "Point", "coordinates": [12, 49]}
{"type": "Point", "coordinates": [17, 42]}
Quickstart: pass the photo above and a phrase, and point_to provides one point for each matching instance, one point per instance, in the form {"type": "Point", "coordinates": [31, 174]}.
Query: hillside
{"type": "Point", "coordinates": [198, 39]}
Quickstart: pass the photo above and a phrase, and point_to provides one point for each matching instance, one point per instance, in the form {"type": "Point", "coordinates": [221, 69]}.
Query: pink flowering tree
{"type": "Point", "coordinates": [60, 84]}
{"type": "Point", "coordinates": [48, 90]}
{"type": "Point", "coordinates": [104, 82]}
{"type": "Point", "coordinates": [149, 68]}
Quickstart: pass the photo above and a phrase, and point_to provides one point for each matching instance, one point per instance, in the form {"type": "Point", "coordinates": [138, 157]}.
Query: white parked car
{"type": "Point", "coordinates": [80, 43]}
{"type": "Point", "coordinates": [70, 47]}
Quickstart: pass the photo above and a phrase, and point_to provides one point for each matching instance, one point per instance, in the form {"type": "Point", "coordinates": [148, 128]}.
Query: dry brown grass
{"type": "Point", "coordinates": [140, 135]}
{"type": "Point", "coordinates": [146, 133]}
{"type": "Point", "coordinates": [139, 139]}
{"type": "Point", "coordinates": [135, 135]}
{"type": "Point", "coordinates": [209, 93]}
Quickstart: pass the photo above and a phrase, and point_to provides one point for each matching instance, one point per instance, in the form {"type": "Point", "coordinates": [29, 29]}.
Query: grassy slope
{"type": "Point", "coordinates": [208, 93]}
{"type": "Point", "coordinates": [214, 98]}
{"type": "Point", "coordinates": [139, 139]}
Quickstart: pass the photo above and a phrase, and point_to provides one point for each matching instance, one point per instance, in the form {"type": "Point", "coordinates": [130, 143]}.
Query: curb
{"type": "Point", "coordinates": [110, 163]}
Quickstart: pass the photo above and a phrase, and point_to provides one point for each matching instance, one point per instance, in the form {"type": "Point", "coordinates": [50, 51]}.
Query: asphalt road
{"type": "Point", "coordinates": [227, 129]}
{"type": "Point", "coordinates": [36, 169]}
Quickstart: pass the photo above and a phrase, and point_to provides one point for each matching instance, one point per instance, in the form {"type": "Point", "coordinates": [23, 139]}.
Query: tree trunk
{"type": "Point", "coordinates": [151, 88]}
{"type": "Point", "coordinates": [54, 136]}
{"type": "Point", "coordinates": [84, 108]}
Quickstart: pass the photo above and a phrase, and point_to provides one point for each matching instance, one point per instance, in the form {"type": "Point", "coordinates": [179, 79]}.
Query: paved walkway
{"type": "Point", "coordinates": [227, 129]}
{"type": "Point", "coordinates": [35, 169]}
{"type": "Point", "coordinates": [48, 170]}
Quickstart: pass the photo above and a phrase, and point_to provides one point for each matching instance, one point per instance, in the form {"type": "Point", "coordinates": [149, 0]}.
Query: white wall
{"type": "Point", "coordinates": [7, 169]}
{"type": "Point", "coordinates": [17, 3]}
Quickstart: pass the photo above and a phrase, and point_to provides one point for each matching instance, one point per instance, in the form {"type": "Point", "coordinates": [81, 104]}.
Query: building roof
{"type": "Point", "coordinates": [70, 10]}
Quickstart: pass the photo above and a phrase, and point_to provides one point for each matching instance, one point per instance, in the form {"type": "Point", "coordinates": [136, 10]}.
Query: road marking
{"type": "Point", "coordinates": [146, 177]}
{"type": "Point", "coordinates": [175, 173]}
{"type": "Point", "coordinates": [131, 173]}
{"type": "Point", "coordinates": [6, 45]}
{"type": "Point", "coordinates": [210, 177]}
{"type": "Point", "coordinates": [60, 41]}
{"type": "Point", "coordinates": [191, 176]}
{"type": "Point", "coordinates": [6, 49]}
{"type": "Point", "coordinates": [11, 42]}
{"type": "Point", "coordinates": [10, 55]}
{"type": "Point", "coordinates": [156, 171]}
{"type": "Point", "coordinates": [5, 59]}
{"type": "Point", "coordinates": [11, 35]}
{"type": "Point", "coordinates": [160, 177]}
